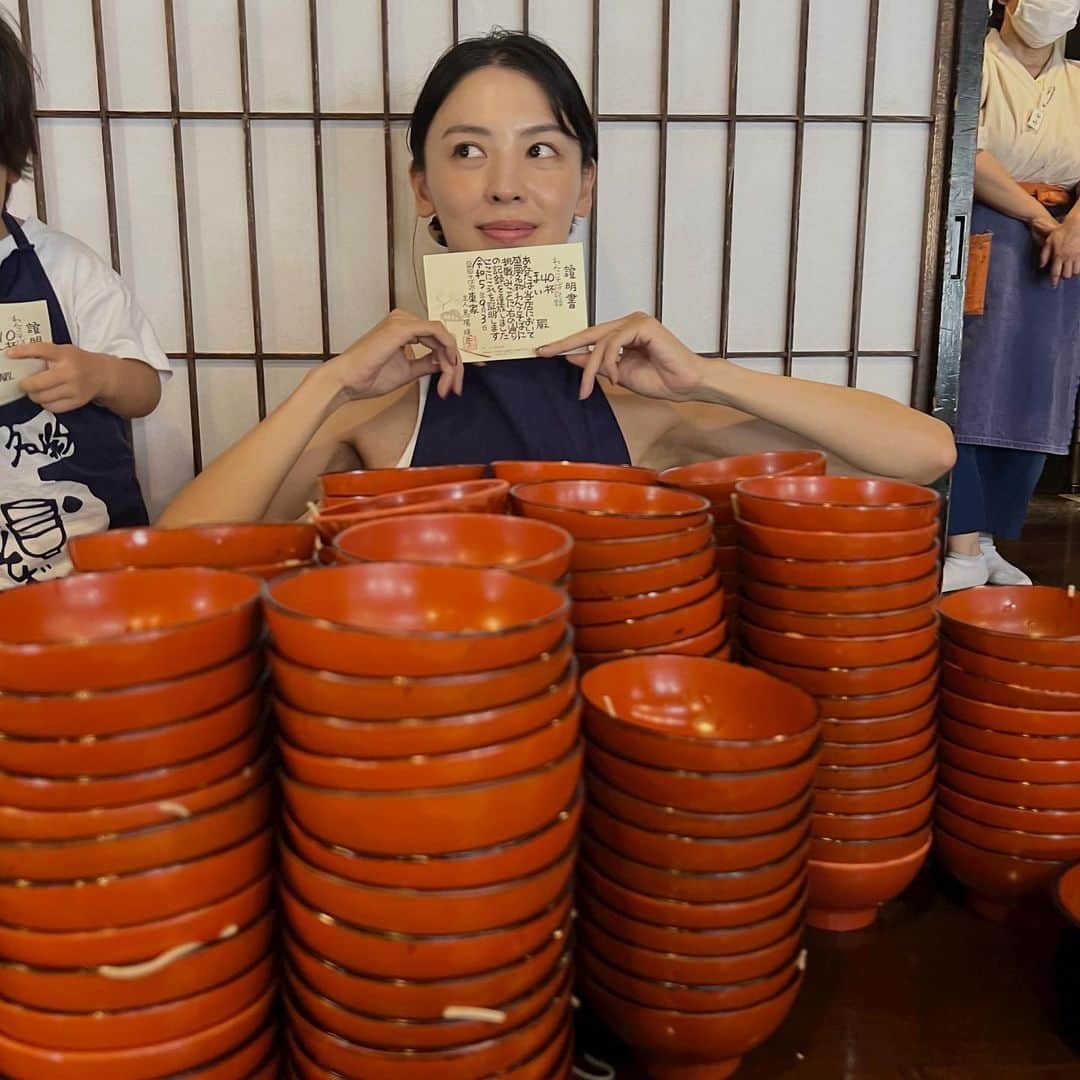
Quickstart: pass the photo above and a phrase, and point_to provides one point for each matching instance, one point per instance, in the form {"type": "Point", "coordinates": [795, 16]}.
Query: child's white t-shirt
{"type": "Point", "coordinates": [101, 312]}
{"type": "Point", "coordinates": [38, 516]}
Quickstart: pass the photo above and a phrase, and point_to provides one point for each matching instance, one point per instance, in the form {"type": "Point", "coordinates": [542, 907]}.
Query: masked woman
{"type": "Point", "coordinates": [1020, 364]}
{"type": "Point", "coordinates": [504, 155]}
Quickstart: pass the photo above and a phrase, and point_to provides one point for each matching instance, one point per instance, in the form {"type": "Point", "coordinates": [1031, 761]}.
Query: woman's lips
{"type": "Point", "coordinates": [508, 232]}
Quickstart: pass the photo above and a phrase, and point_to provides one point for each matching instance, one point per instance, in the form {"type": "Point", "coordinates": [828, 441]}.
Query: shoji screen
{"type": "Point", "coordinates": [765, 187]}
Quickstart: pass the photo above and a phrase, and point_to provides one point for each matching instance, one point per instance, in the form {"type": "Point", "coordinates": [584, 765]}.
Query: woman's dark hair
{"type": "Point", "coordinates": [997, 15]}
{"type": "Point", "coordinates": [518, 52]}
{"type": "Point", "coordinates": [17, 141]}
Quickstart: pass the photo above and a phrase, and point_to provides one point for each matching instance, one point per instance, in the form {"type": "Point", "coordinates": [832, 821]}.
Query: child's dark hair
{"type": "Point", "coordinates": [18, 143]}
{"type": "Point", "coordinates": [519, 52]}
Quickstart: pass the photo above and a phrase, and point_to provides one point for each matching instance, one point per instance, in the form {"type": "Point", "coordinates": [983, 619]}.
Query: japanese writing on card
{"type": "Point", "coordinates": [505, 304]}
{"type": "Point", "coordinates": [21, 324]}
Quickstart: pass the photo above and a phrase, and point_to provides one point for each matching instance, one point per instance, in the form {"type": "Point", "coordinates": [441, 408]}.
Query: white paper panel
{"type": "Point", "coordinates": [480, 16]}
{"type": "Point", "coordinates": [827, 228]}
{"type": "Point", "coordinates": [355, 211]}
{"type": "Point", "coordinates": [147, 223]}
{"type": "Point", "coordinates": [769, 56]}
{"type": "Point", "coordinates": [162, 443]}
{"type": "Point", "coordinates": [566, 25]}
{"type": "Point", "coordinates": [283, 159]}
{"type": "Point", "coordinates": [228, 404]}
{"type": "Point", "coordinates": [630, 56]}
{"type": "Point", "coordinates": [208, 55]}
{"type": "Point", "coordinates": [888, 375]}
{"type": "Point", "coordinates": [218, 235]}
{"type": "Point", "coordinates": [700, 56]}
{"type": "Point", "coordinates": [836, 57]}
{"type": "Point", "coordinates": [135, 54]}
{"type": "Point", "coordinates": [760, 236]}
{"type": "Point", "coordinates": [894, 236]}
{"type": "Point", "coordinates": [411, 239]}
{"type": "Point", "coordinates": [420, 31]}
{"type": "Point", "coordinates": [694, 242]}
{"type": "Point", "coordinates": [907, 31]}
{"type": "Point", "coordinates": [350, 56]}
{"type": "Point", "coordinates": [626, 226]}
{"type": "Point", "coordinates": [829, 369]}
{"type": "Point", "coordinates": [75, 180]}
{"type": "Point", "coordinates": [63, 37]}
{"type": "Point", "coordinates": [279, 55]}
{"type": "Point", "coordinates": [282, 377]}
{"type": "Point", "coordinates": [768, 365]}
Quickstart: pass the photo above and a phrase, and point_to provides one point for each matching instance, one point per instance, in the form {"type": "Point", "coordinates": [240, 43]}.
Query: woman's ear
{"type": "Point", "coordinates": [585, 198]}
{"type": "Point", "coordinates": [424, 206]}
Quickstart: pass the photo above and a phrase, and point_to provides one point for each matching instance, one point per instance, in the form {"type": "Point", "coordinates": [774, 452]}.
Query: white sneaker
{"type": "Point", "coordinates": [964, 572]}
{"type": "Point", "coordinates": [1001, 571]}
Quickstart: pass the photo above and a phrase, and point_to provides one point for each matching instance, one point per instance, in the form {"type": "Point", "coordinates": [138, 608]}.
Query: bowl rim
{"type": "Point", "coordinates": [454, 789]}
{"type": "Point", "coordinates": [345, 509]}
{"type": "Point", "coordinates": [677, 1015]}
{"type": "Point", "coordinates": [799, 854]}
{"type": "Point", "coordinates": [562, 611]}
{"type": "Point", "coordinates": [808, 758]}
{"type": "Point", "coordinates": [1050, 837]}
{"type": "Point", "coordinates": [999, 854]}
{"type": "Point", "coordinates": [948, 619]}
{"type": "Point", "coordinates": [929, 496]}
{"type": "Point", "coordinates": [810, 457]}
{"type": "Point", "coordinates": [563, 900]}
{"type": "Point", "coordinates": [424, 723]}
{"type": "Point", "coordinates": [566, 857]}
{"type": "Point", "coordinates": [138, 636]}
{"type": "Point", "coordinates": [866, 537]}
{"type": "Point", "coordinates": [464, 679]}
{"type": "Point", "coordinates": [564, 547]}
{"type": "Point", "coordinates": [574, 806]}
{"type": "Point", "coordinates": [841, 564]}
{"type": "Point", "coordinates": [520, 493]}
{"type": "Point", "coordinates": [705, 528]}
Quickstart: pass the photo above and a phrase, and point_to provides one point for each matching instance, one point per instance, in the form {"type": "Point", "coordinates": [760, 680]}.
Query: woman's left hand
{"type": "Point", "coordinates": [1061, 252]}
{"type": "Point", "coordinates": [637, 352]}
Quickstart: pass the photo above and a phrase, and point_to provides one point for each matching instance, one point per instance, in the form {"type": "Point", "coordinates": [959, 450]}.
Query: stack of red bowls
{"type": "Point", "coordinates": [465, 496]}
{"type": "Point", "coordinates": [429, 730]}
{"type": "Point", "coordinates": [532, 548]}
{"type": "Point", "coordinates": [264, 550]}
{"type": "Point", "coordinates": [1008, 813]}
{"type": "Point", "coordinates": [135, 847]}
{"type": "Point", "coordinates": [839, 579]}
{"type": "Point", "coordinates": [693, 875]}
{"type": "Point", "coordinates": [716, 480]}
{"type": "Point", "coordinates": [643, 576]}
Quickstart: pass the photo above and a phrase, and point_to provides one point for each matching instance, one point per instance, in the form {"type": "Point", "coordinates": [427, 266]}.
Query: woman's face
{"type": "Point", "coordinates": [499, 171]}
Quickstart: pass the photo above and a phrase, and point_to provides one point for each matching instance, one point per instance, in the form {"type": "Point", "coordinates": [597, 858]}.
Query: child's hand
{"type": "Point", "coordinates": [72, 377]}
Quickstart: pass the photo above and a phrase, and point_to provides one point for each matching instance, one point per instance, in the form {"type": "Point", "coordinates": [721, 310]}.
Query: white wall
{"type": "Point", "coordinates": [354, 206]}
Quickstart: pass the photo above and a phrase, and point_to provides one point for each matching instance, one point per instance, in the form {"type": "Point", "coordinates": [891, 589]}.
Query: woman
{"type": "Point", "coordinates": [1021, 358]}
{"type": "Point", "coordinates": [504, 154]}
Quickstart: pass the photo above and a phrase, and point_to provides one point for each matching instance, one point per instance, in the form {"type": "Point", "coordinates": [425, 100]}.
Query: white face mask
{"type": "Point", "coordinates": [1041, 22]}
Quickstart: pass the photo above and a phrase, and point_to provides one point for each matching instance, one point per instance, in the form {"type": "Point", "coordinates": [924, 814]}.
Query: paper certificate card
{"type": "Point", "coordinates": [21, 324]}
{"type": "Point", "coordinates": [504, 304]}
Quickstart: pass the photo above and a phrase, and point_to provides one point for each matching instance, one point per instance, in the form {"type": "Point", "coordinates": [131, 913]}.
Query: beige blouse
{"type": "Point", "coordinates": [1031, 125]}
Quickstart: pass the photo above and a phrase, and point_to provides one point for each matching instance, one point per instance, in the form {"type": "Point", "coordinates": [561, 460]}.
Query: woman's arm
{"type": "Point", "coordinates": [241, 483]}
{"type": "Point", "coordinates": [873, 433]}
{"type": "Point", "coordinates": [995, 187]}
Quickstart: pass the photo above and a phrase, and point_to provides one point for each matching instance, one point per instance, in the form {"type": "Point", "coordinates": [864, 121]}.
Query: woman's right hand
{"type": "Point", "coordinates": [383, 361]}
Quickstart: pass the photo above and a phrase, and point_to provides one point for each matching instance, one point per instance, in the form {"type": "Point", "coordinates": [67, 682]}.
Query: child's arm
{"type": "Point", "coordinates": [75, 377]}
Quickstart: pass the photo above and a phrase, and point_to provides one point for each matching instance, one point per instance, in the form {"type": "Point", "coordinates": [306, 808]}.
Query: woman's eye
{"type": "Point", "coordinates": [467, 150]}
{"type": "Point", "coordinates": [541, 150]}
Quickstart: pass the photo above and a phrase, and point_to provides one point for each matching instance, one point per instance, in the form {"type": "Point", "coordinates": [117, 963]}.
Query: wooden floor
{"type": "Point", "coordinates": [932, 992]}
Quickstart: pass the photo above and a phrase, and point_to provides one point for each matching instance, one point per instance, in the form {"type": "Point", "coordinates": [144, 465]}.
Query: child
{"type": "Point", "coordinates": [66, 463]}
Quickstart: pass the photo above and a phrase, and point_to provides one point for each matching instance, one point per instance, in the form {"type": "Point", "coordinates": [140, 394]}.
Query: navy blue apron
{"type": "Point", "coordinates": [1020, 362]}
{"type": "Point", "coordinates": [519, 410]}
{"type": "Point", "coordinates": [59, 475]}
